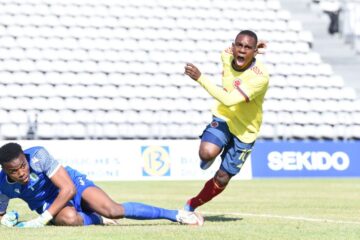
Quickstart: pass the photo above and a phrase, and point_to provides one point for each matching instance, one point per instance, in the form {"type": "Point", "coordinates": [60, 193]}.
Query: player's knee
{"type": "Point", "coordinates": [70, 218]}
{"type": "Point", "coordinates": [207, 154]}
{"type": "Point", "coordinates": [222, 179]}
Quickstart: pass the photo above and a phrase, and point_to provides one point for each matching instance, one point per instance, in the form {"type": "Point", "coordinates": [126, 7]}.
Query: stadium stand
{"type": "Point", "coordinates": [95, 69]}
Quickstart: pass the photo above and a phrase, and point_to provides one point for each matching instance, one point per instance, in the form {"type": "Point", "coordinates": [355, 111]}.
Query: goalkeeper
{"type": "Point", "coordinates": [63, 196]}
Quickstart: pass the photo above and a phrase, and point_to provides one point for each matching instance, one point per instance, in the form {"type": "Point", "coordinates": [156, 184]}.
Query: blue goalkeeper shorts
{"type": "Point", "coordinates": [81, 183]}
{"type": "Point", "coordinates": [235, 152]}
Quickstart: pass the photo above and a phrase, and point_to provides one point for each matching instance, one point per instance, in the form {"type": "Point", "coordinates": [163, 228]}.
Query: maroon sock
{"type": "Point", "coordinates": [210, 190]}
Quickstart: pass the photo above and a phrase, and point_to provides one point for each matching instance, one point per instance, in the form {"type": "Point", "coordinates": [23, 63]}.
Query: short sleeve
{"type": "Point", "coordinates": [4, 202]}
{"type": "Point", "coordinates": [42, 161]}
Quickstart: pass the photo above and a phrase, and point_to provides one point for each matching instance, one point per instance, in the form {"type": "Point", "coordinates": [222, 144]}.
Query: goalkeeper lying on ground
{"type": "Point", "coordinates": [63, 196]}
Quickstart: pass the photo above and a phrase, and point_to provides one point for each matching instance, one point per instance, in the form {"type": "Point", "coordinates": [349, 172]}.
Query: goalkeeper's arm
{"type": "Point", "coordinates": [9, 219]}
{"type": "Point", "coordinates": [67, 190]}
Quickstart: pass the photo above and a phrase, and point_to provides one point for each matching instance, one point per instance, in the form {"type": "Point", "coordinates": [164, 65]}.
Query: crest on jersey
{"type": "Point", "coordinates": [34, 177]}
{"type": "Point", "coordinates": [237, 82]}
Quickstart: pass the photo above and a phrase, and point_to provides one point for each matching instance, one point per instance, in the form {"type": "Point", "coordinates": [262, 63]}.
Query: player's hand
{"type": "Point", "coordinates": [192, 71]}
{"type": "Point", "coordinates": [10, 219]}
{"type": "Point", "coordinates": [261, 46]}
{"type": "Point", "coordinates": [40, 221]}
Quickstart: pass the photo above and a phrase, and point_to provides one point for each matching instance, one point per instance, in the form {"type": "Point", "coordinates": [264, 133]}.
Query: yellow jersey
{"type": "Point", "coordinates": [239, 101]}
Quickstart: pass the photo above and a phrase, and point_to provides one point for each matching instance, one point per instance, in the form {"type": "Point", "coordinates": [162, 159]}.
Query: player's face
{"type": "Point", "coordinates": [18, 169]}
{"type": "Point", "coordinates": [244, 50]}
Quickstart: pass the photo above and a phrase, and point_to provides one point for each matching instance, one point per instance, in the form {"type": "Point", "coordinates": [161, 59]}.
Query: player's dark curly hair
{"type": "Point", "coordinates": [250, 34]}
{"type": "Point", "coordinates": [9, 152]}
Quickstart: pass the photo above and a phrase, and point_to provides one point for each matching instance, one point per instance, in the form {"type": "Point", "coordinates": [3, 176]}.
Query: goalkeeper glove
{"type": "Point", "coordinates": [10, 219]}
{"type": "Point", "coordinates": [40, 221]}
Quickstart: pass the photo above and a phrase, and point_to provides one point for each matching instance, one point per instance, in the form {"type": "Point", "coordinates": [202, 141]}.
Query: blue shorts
{"type": "Point", "coordinates": [81, 183]}
{"type": "Point", "coordinates": [235, 152]}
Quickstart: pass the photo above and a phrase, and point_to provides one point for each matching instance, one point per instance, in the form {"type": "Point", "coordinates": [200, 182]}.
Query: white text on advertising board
{"type": "Point", "coordinates": [293, 161]}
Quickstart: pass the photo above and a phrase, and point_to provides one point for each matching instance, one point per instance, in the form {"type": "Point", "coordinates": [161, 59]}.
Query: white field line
{"type": "Point", "coordinates": [294, 218]}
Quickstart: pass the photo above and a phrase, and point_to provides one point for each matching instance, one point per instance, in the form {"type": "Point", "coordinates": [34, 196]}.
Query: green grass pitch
{"type": "Point", "coordinates": [255, 209]}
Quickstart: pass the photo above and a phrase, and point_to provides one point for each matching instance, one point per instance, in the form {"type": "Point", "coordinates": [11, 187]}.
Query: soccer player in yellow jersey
{"type": "Point", "coordinates": [237, 115]}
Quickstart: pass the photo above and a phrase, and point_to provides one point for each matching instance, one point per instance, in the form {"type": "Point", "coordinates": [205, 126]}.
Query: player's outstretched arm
{"type": "Point", "coordinates": [40, 221]}
{"type": "Point", "coordinates": [226, 98]}
{"type": "Point", "coordinates": [67, 190]}
{"type": "Point", "coordinates": [192, 71]}
{"type": "Point", "coordinates": [9, 219]}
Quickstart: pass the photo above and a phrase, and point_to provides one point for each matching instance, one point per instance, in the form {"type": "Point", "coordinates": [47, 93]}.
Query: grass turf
{"type": "Point", "coordinates": [257, 209]}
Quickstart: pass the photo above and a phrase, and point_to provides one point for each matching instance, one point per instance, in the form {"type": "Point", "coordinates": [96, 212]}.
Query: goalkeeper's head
{"type": "Point", "coordinates": [14, 163]}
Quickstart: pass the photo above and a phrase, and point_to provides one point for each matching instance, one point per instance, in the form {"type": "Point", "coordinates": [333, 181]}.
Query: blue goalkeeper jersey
{"type": "Point", "coordinates": [39, 192]}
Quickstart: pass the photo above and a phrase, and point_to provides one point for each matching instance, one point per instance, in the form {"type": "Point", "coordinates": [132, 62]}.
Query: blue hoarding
{"type": "Point", "coordinates": [306, 159]}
